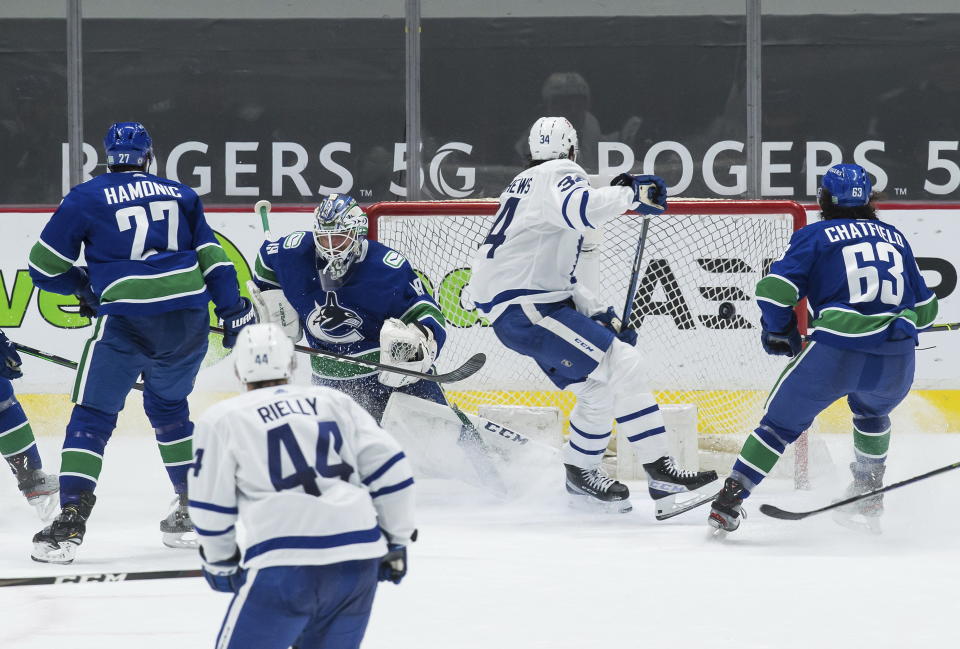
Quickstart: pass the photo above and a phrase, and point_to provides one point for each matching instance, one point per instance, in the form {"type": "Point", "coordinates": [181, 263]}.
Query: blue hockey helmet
{"type": "Point", "coordinates": [128, 143]}
{"type": "Point", "coordinates": [848, 184]}
{"type": "Point", "coordinates": [339, 228]}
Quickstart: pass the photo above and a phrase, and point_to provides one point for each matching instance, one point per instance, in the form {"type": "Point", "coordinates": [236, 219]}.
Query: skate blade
{"type": "Point", "coordinates": [46, 505]}
{"type": "Point", "coordinates": [676, 504]}
{"type": "Point", "coordinates": [60, 553]}
{"type": "Point", "coordinates": [858, 522]}
{"type": "Point", "coordinates": [585, 503]}
{"type": "Point", "coordinates": [181, 540]}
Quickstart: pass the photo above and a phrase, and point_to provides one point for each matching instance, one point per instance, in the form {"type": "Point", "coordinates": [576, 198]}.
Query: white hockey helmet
{"type": "Point", "coordinates": [551, 138]}
{"type": "Point", "coordinates": [263, 353]}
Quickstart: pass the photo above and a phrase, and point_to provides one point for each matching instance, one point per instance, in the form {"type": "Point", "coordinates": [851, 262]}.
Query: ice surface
{"type": "Point", "coordinates": [489, 574]}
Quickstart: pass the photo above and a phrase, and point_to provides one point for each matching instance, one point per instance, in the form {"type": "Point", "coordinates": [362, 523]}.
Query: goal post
{"type": "Point", "coordinates": [694, 310]}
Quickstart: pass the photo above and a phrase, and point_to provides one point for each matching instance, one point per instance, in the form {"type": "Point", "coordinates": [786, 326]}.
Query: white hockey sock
{"type": "Point", "coordinates": [643, 427]}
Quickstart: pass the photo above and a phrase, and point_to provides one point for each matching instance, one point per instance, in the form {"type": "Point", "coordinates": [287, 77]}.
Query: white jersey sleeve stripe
{"type": "Point", "coordinates": [392, 488]}
{"type": "Point", "coordinates": [383, 468]}
{"type": "Point", "coordinates": [563, 211]}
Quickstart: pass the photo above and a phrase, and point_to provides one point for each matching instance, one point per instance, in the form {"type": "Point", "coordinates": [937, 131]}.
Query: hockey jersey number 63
{"type": "Point", "coordinates": [312, 477]}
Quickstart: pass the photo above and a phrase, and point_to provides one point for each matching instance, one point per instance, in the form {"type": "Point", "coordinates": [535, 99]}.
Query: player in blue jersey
{"type": "Point", "coordinates": [867, 301]}
{"type": "Point", "coordinates": [153, 265]}
{"type": "Point", "coordinates": [357, 297]}
{"type": "Point", "coordinates": [17, 443]}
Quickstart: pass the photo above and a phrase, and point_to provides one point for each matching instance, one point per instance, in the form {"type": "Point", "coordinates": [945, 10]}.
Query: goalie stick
{"type": "Point", "coordinates": [56, 360]}
{"type": "Point", "coordinates": [98, 577]}
{"type": "Point", "coordinates": [784, 515]}
{"type": "Point", "coordinates": [468, 369]}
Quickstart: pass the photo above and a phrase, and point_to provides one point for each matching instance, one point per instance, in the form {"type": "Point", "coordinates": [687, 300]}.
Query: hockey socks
{"type": "Point", "coordinates": [871, 439]}
{"type": "Point", "coordinates": [16, 437]}
{"type": "Point", "coordinates": [760, 453]}
{"type": "Point", "coordinates": [175, 442]}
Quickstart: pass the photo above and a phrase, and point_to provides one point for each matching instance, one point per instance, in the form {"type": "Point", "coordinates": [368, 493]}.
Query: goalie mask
{"type": "Point", "coordinates": [339, 228]}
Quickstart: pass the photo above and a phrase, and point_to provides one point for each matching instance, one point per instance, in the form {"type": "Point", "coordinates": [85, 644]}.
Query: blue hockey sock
{"type": "Point", "coordinates": [871, 439]}
{"type": "Point", "coordinates": [81, 459]}
{"type": "Point", "coordinates": [16, 436]}
{"type": "Point", "coordinates": [175, 442]}
{"type": "Point", "coordinates": [760, 453]}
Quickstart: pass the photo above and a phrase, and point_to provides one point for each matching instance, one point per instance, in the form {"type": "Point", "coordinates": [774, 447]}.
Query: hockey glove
{"type": "Point", "coordinates": [236, 319]}
{"type": "Point", "coordinates": [393, 565]}
{"type": "Point", "coordinates": [10, 368]}
{"type": "Point", "coordinates": [649, 192]}
{"type": "Point", "coordinates": [89, 302]}
{"type": "Point", "coordinates": [224, 576]}
{"type": "Point", "coordinates": [610, 320]}
{"type": "Point", "coordinates": [787, 343]}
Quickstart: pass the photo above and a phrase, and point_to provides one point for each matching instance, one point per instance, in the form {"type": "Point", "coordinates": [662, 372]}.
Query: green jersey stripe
{"type": "Point", "coordinates": [209, 255]}
{"type": "Point", "coordinates": [264, 272]}
{"type": "Point", "coordinates": [420, 310]}
{"type": "Point", "coordinates": [774, 288]}
{"type": "Point", "coordinates": [843, 322]}
{"type": "Point", "coordinates": [47, 260]}
{"type": "Point", "coordinates": [155, 288]}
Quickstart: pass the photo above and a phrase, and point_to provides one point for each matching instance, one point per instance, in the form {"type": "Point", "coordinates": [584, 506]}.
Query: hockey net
{"type": "Point", "coordinates": [694, 310]}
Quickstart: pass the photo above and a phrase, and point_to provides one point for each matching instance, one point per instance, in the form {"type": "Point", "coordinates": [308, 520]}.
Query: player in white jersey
{"type": "Point", "coordinates": [324, 496]}
{"type": "Point", "coordinates": [524, 280]}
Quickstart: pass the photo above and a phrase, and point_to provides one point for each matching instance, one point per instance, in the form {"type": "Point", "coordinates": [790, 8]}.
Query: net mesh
{"type": "Point", "coordinates": [694, 310]}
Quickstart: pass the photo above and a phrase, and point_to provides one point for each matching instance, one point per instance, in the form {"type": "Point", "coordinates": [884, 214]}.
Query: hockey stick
{"type": "Point", "coordinates": [263, 209]}
{"type": "Point", "coordinates": [782, 514]}
{"type": "Point", "coordinates": [478, 452]}
{"type": "Point", "coordinates": [57, 360]}
{"type": "Point", "coordinates": [102, 578]}
{"type": "Point", "coordinates": [634, 276]}
{"type": "Point", "coordinates": [468, 369]}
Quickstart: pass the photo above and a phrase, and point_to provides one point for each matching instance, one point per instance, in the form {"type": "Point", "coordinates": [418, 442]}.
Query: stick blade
{"type": "Point", "coordinates": [468, 369]}
{"type": "Point", "coordinates": [782, 514]}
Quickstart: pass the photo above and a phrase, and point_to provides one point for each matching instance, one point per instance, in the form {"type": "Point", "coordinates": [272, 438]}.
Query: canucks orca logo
{"type": "Point", "coordinates": [333, 323]}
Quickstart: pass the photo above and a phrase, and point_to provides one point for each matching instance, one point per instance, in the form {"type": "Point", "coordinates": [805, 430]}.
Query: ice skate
{"type": "Point", "coordinates": [727, 509]}
{"type": "Point", "coordinates": [675, 491]}
{"type": "Point", "coordinates": [863, 515]}
{"type": "Point", "coordinates": [39, 488]}
{"type": "Point", "coordinates": [58, 542]}
{"type": "Point", "coordinates": [593, 487]}
{"type": "Point", "coordinates": [177, 528]}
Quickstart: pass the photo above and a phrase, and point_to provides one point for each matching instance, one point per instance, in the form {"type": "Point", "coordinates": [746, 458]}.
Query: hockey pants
{"type": "Point", "coordinates": [606, 375]}
{"type": "Point", "coordinates": [874, 384]}
{"type": "Point", "coordinates": [310, 607]}
{"type": "Point", "coordinates": [167, 350]}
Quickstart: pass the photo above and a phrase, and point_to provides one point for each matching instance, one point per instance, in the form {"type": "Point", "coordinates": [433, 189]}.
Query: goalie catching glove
{"type": "Point", "coordinates": [410, 346]}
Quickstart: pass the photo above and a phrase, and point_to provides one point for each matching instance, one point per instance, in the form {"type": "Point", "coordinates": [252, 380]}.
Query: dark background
{"type": "Point", "coordinates": [894, 78]}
